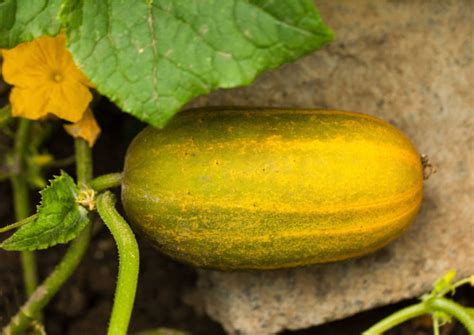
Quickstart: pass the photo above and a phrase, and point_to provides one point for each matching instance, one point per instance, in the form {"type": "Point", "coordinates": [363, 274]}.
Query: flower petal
{"type": "Point", "coordinates": [46, 79]}
{"type": "Point", "coordinates": [87, 128]}
{"type": "Point", "coordinates": [25, 65]}
{"type": "Point", "coordinates": [69, 101]}
{"type": "Point", "coordinates": [75, 74]}
{"type": "Point", "coordinates": [30, 104]}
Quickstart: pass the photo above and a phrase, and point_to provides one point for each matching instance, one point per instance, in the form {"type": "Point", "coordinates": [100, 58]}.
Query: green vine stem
{"type": "Point", "coordinates": [452, 308]}
{"type": "Point", "coordinates": [83, 162]}
{"type": "Point", "coordinates": [435, 304]}
{"type": "Point", "coordinates": [20, 223]}
{"type": "Point", "coordinates": [45, 292]}
{"type": "Point", "coordinates": [397, 318]}
{"type": "Point", "coordinates": [106, 181]}
{"type": "Point", "coordinates": [435, 326]}
{"type": "Point", "coordinates": [128, 264]}
{"type": "Point", "coordinates": [50, 286]}
{"type": "Point", "coordinates": [21, 201]}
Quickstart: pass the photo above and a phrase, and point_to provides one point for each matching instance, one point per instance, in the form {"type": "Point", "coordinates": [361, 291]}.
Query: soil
{"type": "Point", "coordinates": [84, 304]}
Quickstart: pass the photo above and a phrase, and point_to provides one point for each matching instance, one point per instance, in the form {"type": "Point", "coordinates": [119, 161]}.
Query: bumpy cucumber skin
{"type": "Point", "coordinates": [238, 189]}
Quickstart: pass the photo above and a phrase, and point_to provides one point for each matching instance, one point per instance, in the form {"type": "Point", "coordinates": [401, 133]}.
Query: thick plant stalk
{"type": "Point", "coordinates": [106, 181]}
{"type": "Point", "coordinates": [396, 319]}
{"type": "Point", "coordinates": [21, 202]}
{"type": "Point", "coordinates": [83, 162]}
{"type": "Point", "coordinates": [452, 308]}
{"type": "Point", "coordinates": [128, 264]}
{"type": "Point", "coordinates": [48, 289]}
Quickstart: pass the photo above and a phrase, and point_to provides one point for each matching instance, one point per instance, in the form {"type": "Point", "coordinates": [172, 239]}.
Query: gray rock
{"type": "Point", "coordinates": [408, 62]}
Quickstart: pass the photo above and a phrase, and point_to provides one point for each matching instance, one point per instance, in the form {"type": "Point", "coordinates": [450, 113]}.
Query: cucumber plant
{"type": "Point", "coordinates": [139, 55]}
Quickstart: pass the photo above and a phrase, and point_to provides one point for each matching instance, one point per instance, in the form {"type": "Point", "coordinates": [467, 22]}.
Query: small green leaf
{"type": "Point", "coordinates": [444, 284]}
{"type": "Point", "coordinates": [60, 218]}
{"type": "Point", "coordinates": [152, 57]}
{"type": "Point", "coordinates": [24, 20]}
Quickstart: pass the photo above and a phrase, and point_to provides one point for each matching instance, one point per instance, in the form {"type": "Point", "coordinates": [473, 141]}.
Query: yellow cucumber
{"type": "Point", "coordinates": [261, 188]}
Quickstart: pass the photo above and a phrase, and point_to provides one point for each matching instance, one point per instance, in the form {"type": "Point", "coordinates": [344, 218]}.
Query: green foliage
{"type": "Point", "coordinates": [24, 20]}
{"type": "Point", "coordinates": [60, 218]}
{"type": "Point", "coordinates": [152, 57]}
{"type": "Point", "coordinates": [441, 287]}
{"type": "Point", "coordinates": [442, 310]}
{"type": "Point", "coordinates": [444, 284]}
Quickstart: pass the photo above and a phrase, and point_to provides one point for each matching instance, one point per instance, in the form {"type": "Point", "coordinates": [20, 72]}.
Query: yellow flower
{"type": "Point", "coordinates": [45, 80]}
{"type": "Point", "coordinates": [86, 128]}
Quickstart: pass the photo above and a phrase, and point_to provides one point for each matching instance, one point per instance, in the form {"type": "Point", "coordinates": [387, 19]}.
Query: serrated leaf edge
{"type": "Point", "coordinates": [68, 237]}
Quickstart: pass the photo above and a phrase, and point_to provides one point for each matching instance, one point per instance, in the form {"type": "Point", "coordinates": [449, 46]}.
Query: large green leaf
{"type": "Point", "coordinates": [24, 20]}
{"type": "Point", "coordinates": [60, 218]}
{"type": "Point", "coordinates": [151, 57]}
